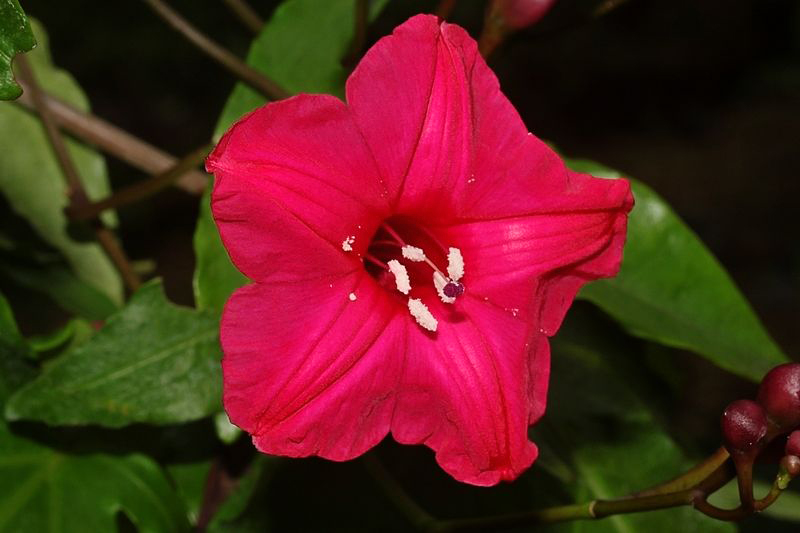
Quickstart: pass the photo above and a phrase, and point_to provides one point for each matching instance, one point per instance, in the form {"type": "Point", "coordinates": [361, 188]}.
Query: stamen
{"type": "Point", "coordinates": [453, 289]}
{"type": "Point", "coordinates": [376, 261]}
{"type": "Point", "coordinates": [352, 296]}
{"type": "Point", "coordinates": [422, 314]}
{"type": "Point", "coordinates": [347, 244]}
{"type": "Point", "coordinates": [393, 233]}
{"type": "Point", "coordinates": [441, 282]}
{"type": "Point", "coordinates": [412, 253]}
{"type": "Point", "coordinates": [401, 279]}
{"type": "Point", "coordinates": [455, 264]}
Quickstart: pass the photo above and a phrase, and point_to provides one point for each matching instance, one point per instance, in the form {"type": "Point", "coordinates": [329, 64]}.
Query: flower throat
{"type": "Point", "coordinates": [402, 254]}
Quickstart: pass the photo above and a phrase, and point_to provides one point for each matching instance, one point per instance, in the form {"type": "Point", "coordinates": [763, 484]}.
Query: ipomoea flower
{"type": "Point", "coordinates": [411, 251]}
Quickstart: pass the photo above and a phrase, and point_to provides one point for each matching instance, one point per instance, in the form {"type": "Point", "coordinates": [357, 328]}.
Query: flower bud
{"type": "Point", "coordinates": [779, 394]}
{"type": "Point", "coordinates": [744, 424]}
{"type": "Point", "coordinates": [793, 444]}
{"type": "Point", "coordinates": [519, 14]}
{"type": "Point", "coordinates": [791, 463]}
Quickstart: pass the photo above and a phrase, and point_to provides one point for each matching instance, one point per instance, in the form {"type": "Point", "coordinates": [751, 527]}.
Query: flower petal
{"type": "Point", "coordinates": [534, 265]}
{"type": "Point", "coordinates": [465, 392]}
{"type": "Point", "coordinates": [410, 97]}
{"type": "Point", "coordinates": [311, 370]}
{"type": "Point", "coordinates": [295, 171]}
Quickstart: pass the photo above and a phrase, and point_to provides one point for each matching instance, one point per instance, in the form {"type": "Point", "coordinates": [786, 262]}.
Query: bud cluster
{"type": "Point", "coordinates": [747, 426]}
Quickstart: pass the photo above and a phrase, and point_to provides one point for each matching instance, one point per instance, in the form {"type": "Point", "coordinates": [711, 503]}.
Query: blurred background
{"type": "Point", "coordinates": [700, 100]}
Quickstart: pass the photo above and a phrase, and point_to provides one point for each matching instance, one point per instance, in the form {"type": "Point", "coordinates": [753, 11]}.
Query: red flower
{"type": "Point", "coordinates": [328, 207]}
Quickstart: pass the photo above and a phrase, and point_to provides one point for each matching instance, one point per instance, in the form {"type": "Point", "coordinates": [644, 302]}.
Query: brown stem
{"type": "Point", "coordinates": [245, 72]}
{"type": "Point", "coordinates": [113, 140]}
{"type": "Point", "coordinates": [246, 15]}
{"type": "Point", "coordinates": [76, 192]}
{"type": "Point", "coordinates": [142, 189]}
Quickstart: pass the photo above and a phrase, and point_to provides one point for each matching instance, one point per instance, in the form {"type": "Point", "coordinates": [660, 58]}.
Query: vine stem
{"type": "Point", "coordinates": [246, 14]}
{"type": "Point", "coordinates": [76, 192]}
{"type": "Point", "coordinates": [111, 139]}
{"type": "Point", "coordinates": [242, 70]}
{"type": "Point", "coordinates": [142, 189]}
{"type": "Point", "coordinates": [689, 489]}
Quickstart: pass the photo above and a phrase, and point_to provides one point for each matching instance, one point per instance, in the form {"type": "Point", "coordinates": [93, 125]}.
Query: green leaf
{"type": "Point", "coordinates": [31, 179]}
{"type": "Point", "coordinates": [42, 489]}
{"type": "Point", "coordinates": [59, 283]}
{"type": "Point", "coordinates": [311, 64]}
{"type": "Point", "coordinates": [154, 362]}
{"type": "Point", "coordinates": [301, 47]}
{"type": "Point", "coordinates": [15, 37]}
{"type": "Point", "coordinates": [190, 481]}
{"type": "Point", "coordinates": [215, 277]}
{"type": "Point", "coordinates": [672, 290]}
{"type": "Point", "coordinates": [15, 366]}
{"type": "Point", "coordinates": [245, 510]}
{"type": "Point", "coordinates": [59, 341]}
{"type": "Point", "coordinates": [607, 434]}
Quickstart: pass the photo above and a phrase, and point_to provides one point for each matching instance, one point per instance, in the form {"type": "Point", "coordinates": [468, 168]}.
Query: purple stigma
{"type": "Point", "coordinates": [453, 289]}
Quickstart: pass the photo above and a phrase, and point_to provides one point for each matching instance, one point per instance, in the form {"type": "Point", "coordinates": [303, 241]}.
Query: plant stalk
{"type": "Point", "coordinates": [242, 70]}
{"type": "Point", "coordinates": [113, 140]}
{"type": "Point", "coordinates": [246, 15]}
{"type": "Point", "coordinates": [142, 189]}
{"type": "Point", "coordinates": [76, 192]}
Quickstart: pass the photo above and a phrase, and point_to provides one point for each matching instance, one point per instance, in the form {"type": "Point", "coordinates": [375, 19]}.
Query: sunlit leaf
{"type": "Point", "coordinates": [32, 182]}
{"type": "Point", "coordinates": [672, 290]}
{"type": "Point", "coordinates": [153, 362]}
{"type": "Point", "coordinates": [15, 37]}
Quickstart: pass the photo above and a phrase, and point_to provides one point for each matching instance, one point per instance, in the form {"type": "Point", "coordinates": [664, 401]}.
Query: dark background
{"type": "Point", "coordinates": [699, 99]}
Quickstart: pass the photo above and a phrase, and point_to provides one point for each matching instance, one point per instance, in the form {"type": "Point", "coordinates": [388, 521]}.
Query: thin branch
{"type": "Point", "coordinates": [246, 15]}
{"type": "Point", "coordinates": [692, 477]}
{"type": "Point", "coordinates": [245, 72]}
{"type": "Point", "coordinates": [114, 140]}
{"type": "Point", "coordinates": [142, 189]}
{"type": "Point", "coordinates": [77, 194]}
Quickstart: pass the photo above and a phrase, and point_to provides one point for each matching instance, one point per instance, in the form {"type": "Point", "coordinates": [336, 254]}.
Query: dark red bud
{"type": "Point", "coordinates": [779, 394]}
{"type": "Point", "coordinates": [791, 463]}
{"type": "Point", "coordinates": [518, 14]}
{"type": "Point", "coordinates": [744, 424]}
{"type": "Point", "coordinates": [793, 444]}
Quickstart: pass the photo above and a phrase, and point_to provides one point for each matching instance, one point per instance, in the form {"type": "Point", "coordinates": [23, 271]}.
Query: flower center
{"type": "Point", "coordinates": [403, 255]}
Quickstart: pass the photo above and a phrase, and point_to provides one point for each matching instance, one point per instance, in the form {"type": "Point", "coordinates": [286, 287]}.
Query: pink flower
{"type": "Point", "coordinates": [331, 348]}
{"type": "Point", "coordinates": [521, 13]}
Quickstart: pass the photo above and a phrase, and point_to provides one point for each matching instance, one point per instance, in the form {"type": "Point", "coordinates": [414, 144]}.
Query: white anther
{"type": "Point", "coordinates": [352, 297]}
{"type": "Point", "coordinates": [439, 281]}
{"type": "Point", "coordinates": [455, 264]}
{"type": "Point", "coordinates": [412, 253]}
{"type": "Point", "coordinates": [400, 276]}
{"type": "Point", "coordinates": [421, 314]}
{"type": "Point", "coordinates": [347, 244]}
